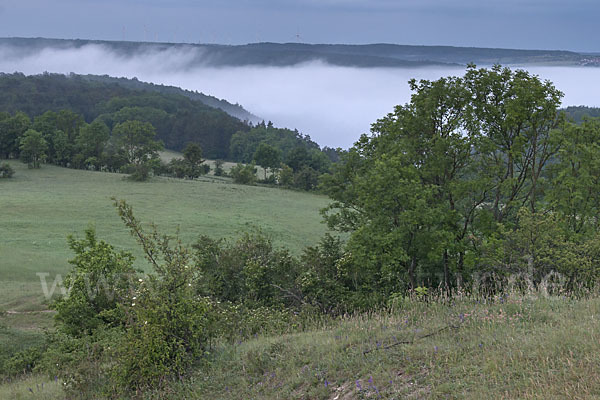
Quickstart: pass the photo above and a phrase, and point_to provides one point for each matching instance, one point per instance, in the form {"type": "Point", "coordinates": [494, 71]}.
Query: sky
{"type": "Point", "coordinates": [530, 24]}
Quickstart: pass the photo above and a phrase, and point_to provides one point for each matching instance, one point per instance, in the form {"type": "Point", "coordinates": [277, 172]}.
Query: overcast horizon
{"type": "Point", "coordinates": [512, 24]}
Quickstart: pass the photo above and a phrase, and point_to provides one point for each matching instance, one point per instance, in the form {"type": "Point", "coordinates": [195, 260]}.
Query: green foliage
{"type": "Point", "coordinates": [219, 171]}
{"type": "Point", "coordinates": [286, 176]}
{"type": "Point", "coordinates": [248, 271]}
{"type": "Point", "coordinates": [538, 250]}
{"type": "Point", "coordinates": [579, 113]}
{"type": "Point", "coordinates": [440, 174]}
{"type": "Point", "coordinates": [191, 166]}
{"type": "Point", "coordinates": [326, 281]}
{"type": "Point", "coordinates": [168, 324]}
{"type": "Point", "coordinates": [179, 117]}
{"type": "Point", "coordinates": [91, 142]}
{"type": "Point", "coordinates": [121, 333]}
{"type": "Point", "coordinates": [243, 174]}
{"type": "Point", "coordinates": [306, 179]}
{"type": "Point", "coordinates": [33, 148]}
{"type": "Point", "coordinates": [243, 145]}
{"type": "Point", "coordinates": [83, 364]}
{"type": "Point", "coordinates": [6, 171]}
{"type": "Point", "coordinates": [575, 176]}
{"type": "Point", "coordinates": [99, 281]}
{"type": "Point", "coordinates": [11, 131]}
{"type": "Point", "coordinates": [24, 362]}
{"type": "Point", "coordinates": [135, 141]}
{"type": "Point", "coordinates": [267, 157]}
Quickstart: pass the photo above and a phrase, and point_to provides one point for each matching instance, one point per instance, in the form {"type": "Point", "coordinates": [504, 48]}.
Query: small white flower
{"type": "Point", "coordinates": [189, 284]}
{"type": "Point", "coordinates": [134, 297]}
{"type": "Point", "coordinates": [132, 304]}
{"type": "Point", "coordinates": [145, 322]}
{"type": "Point", "coordinates": [140, 280]}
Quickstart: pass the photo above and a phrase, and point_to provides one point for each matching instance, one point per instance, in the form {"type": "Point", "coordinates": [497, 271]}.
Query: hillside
{"type": "Point", "coordinates": [577, 113]}
{"type": "Point", "coordinates": [235, 110]}
{"type": "Point", "coordinates": [42, 207]}
{"type": "Point", "coordinates": [177, 118]}
{"type": "Point", "coordinates": [287, 54]}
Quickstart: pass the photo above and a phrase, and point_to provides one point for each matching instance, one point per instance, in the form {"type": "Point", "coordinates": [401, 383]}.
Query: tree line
{"type": "Point", "coordinates": [63, 138]}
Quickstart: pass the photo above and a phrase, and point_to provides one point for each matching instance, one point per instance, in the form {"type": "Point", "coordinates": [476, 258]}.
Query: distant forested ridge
{"type": "Point", "coordinates": [234, 110]}
{"type": "Point", "coordinates": [178, 120]}
{"type": "Point", "coordinates": [287, 54]}
{"type": "Point", "coordinates": [577, 113]}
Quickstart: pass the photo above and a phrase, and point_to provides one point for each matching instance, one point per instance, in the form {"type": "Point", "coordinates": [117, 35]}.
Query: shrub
{"type": "Point", "coordinates": [84, 364]}
{"type": "Point", "coordinates": [6, 171]}
{"type": "Point", "coordinates": [168, 324]}
{"type": "Point", "coordinates": [139, 172]}
{"type": "Point", "coordinates": [244, 174]}
{"type": "Point", "coordinates": [98, 282]}
{"type": "Point", "coordinates": [119, 333]}
{"type": "Point", "coordinates": [219, 171]}
{"type": "Point", "coordinates": [286, 176]}
{"type": "Point", "coordinates": [248, 271]}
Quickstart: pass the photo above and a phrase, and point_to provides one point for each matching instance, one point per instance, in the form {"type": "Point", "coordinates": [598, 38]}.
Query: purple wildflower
{"type": "Point", "coordinates": [358, 385]}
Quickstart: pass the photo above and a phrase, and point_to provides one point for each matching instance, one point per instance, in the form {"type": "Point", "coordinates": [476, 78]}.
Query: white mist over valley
{"type": "Point", "coordinates": [332, 104]}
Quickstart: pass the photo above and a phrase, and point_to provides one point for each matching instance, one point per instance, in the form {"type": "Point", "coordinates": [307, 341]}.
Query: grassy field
{"type": "Point", "coordinates": [40, 208]}
{"type": "Point", "coordinates": [512, 347]}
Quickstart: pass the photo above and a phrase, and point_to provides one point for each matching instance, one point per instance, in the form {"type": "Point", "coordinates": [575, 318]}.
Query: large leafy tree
{"type": "Point", "coordinates": [575, 174]}
{"type": "Point", "coordinates": [267, 157]}
{"type": "Point", "coordinates": [136, 141]}
{"type": "Point", "coordinates": [462, 156]}
{"type": "Point", "coordinates": [517, 115]}
{"type": "Point", "coordinates": [11, 131]}
{"type": "Point", "coordinates": [91, 142]}
{"type": "Point", "coordinates": [33, 148]}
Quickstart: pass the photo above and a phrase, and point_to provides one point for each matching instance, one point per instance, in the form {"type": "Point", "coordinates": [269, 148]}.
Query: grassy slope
{"type": "Point", "coordinates": [41, 207]}
{"type": "Point", "coordinates": [512, 348]}
{"type": "Point", "coordinates": [520, 348]}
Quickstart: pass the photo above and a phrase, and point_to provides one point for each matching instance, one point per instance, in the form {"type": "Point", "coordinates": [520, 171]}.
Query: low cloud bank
{"type": "Point", "coordinates": [334, 105]}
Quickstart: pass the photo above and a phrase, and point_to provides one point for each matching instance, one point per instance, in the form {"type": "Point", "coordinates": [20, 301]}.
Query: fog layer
{"type": "Point", "coordinates": [334, 105]}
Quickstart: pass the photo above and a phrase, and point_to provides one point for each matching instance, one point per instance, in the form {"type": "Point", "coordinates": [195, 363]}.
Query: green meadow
{"type": "Point", "coordinates": [40, 208]}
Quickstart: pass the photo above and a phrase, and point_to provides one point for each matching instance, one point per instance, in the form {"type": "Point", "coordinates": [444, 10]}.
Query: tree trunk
{"type": "Point", "coordinates": [446, 271]}
{"type": "Point", "coordinates": [460, 269]}
{"type": "Point", "coordinates": [411, 272]}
